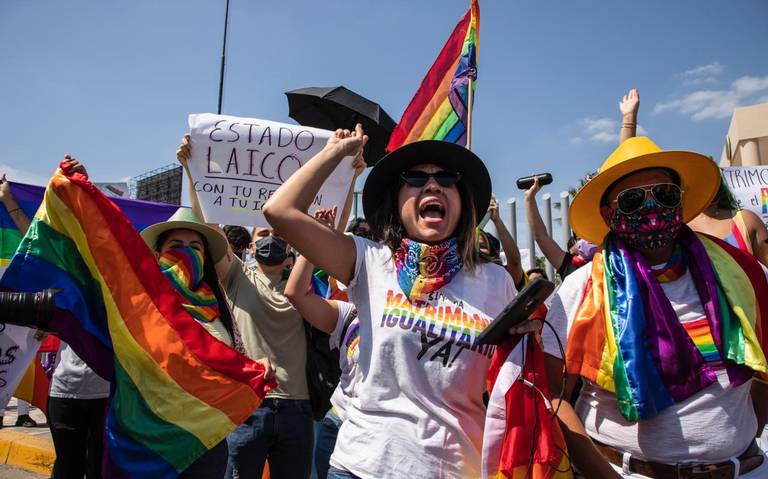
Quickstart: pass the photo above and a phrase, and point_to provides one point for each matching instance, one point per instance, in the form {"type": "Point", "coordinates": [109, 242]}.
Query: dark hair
{"type": "Point", "coordinates": [387, 226]}
{"type": "Point", "coordinates": [354, 225]}
{"type": "Point", "coordinates": [238, 237]}
{"type": "Point", "coordinates": [537, 271]}
{"type": "Point", "coordinates": [572, 241]}
{"type": "Point", "coordinates": [672, 173]}
{"type": "Point", "coordinates": [724, 198]}
{"type": "Point", "coordinates": [211, 278]}
{"type": "Point", "coordinates": [494, 247]}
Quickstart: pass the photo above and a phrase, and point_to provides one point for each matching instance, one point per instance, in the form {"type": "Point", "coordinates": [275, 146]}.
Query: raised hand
{"type": "Point", "coordinates": [326, 216]}
{"type": "Point", "coordinates": [630, 104]}
{"type": "Point", "coordinates": [348, 142]}
{"type": "Point", "coordinates": [74, 166]}
{"type": "Point", "coordinates": [184, 151]}
{"type": "Point", "coordinates": [359, 164]}
{"type": "Point", "coordinates": [5, 190]}
{"type": "Point", "coordinates": [493, 209]}
{"type": "Point", "coordinates": [535, 187]}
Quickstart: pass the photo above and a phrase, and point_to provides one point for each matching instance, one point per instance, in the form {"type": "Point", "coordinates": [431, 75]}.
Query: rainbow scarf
{"type": "Point", "coordinates": [176, 391]}
{"type": "Point", "coordinates": [422, 269]}
{"type": "Point", "coordinates": [184, 269]}
{"type": "Point", "coordinates": [627, 339]}
{"type": "Point", "coordinates": [439, 109]}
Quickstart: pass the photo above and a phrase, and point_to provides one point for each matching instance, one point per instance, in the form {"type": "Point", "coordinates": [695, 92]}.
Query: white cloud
{"type": "Point", "coordinates": [602, 130]}
{"type": "Point", "coordinates": [575, 140]}
{"type": "Point", "coordinates": [702, 74]}
{"type": "Point", "coordinates": [704, 104]}
{"type": "Point", "coordinates": [641, 131]}
{"type": "Point", "coordinates": [19, 175]}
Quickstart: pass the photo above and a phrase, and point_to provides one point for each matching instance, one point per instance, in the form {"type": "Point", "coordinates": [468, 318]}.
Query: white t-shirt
{"type": "Point", "coordinates": [73, 379]}
{"type": "Point", "coordinates": [711, 426]}
{"type": "Point", "coordinates": [418, 409]}
{"type": "Point", "coordinates": [348, 354]}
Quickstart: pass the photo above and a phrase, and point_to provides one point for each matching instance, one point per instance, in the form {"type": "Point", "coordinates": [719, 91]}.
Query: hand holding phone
{"type": "Point", "coordinates": [518, 310]}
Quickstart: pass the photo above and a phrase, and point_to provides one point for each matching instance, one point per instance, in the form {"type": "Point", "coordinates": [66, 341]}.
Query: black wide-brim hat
{"type": "Point", "coordinates": [452, 157]}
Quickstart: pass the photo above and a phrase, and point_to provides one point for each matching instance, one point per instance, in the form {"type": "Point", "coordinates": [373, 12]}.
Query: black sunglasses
{"type": "Point", "coordinates": [668, 195]}
{"type": "Point", "coordinates": [419, 178]}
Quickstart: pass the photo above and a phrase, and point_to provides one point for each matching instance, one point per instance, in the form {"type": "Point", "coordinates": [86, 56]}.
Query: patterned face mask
{"type": "Point", "coordinates": [183, 267]}
{"type": "Point", "coordinates": [649, 227]}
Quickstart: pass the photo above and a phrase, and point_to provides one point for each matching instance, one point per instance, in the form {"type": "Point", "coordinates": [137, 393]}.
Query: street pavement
{"type": "Point", "coordinates": [9, 419]}
{"type": "Point", "coordinates": [8, 472]}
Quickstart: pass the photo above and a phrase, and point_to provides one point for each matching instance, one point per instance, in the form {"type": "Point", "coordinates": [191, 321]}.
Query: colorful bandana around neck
{"type": "Point", "coordinates": [422, 269]}
{"type": "Point", "coordinates": [627, 338]}
{"type": "Point", "coordinates": [183, 267]}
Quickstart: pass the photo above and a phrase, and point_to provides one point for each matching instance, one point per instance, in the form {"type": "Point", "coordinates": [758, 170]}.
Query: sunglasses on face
{"type": "Point", "coordinates": [419, 178]}
{"type": "Point", "coordinates": [668, 195]}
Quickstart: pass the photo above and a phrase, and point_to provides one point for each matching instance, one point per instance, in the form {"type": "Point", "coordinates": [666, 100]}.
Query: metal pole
{"type": "Point", "coordinates": [512, 218]}
{"type": "Point", "coordinates": [565, 226]}
{"type": "Point", "coordinates": [470, 96]}
{"type": "Point", "coordinates": [532, 250]}
{"type": "Point", "coordinates": [354, 204]}
{"type": "Point", "coordinates": [223, 57]}
{"type": "Point", "coordinates": [547, 200]}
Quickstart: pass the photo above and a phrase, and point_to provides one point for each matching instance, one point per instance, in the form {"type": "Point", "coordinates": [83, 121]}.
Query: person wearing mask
{"type": "Point", "coordinates": [418, 407]}
{"type": "Point", "coordinates": [722, 218]}
{"type": "Point", "coordinates": [187, 251]}
{"type": "Point", "coordinates": [281, 430]}
{"type": "Point", "coordinates": [359, 227]}
{"type": "Point", "coordinates": [662, 327]}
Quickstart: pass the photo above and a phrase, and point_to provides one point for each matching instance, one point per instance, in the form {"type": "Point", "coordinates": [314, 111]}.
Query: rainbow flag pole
{"type": "Point", "coordinates": [441, 109]}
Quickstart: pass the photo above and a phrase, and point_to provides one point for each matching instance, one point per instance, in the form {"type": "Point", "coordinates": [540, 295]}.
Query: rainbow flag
{"type": "Point", "coordinates": [522, 437]}
{"type": "Point", "coordinates": [176, 391]}
{"type": "Point", "coordinates": [327, 287]}
{"type": "Point", "coordinates": [439, 109]}
{"type": "Point", "coordinates": [140, 213]}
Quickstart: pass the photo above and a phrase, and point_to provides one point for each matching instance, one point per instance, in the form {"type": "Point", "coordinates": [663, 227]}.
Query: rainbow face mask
{"type": "Point", "coordinates": [649, 227]}
{"type": "Point", "coordinates": [183, 266]}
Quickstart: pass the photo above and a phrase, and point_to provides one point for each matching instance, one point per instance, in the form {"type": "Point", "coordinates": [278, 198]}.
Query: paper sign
{"type": "Point", "coordinates": [749, 185]}
{"type": "Point", "coordinates": [238, 163]}
{"type": "Point", "coordinates": [18, 348]}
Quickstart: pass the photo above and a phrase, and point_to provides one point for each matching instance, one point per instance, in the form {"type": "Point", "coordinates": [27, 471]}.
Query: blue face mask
{"type": "Point", "coordinates": [271, 250]}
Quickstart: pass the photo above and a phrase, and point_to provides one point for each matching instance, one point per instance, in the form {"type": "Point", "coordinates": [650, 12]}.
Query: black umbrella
{"type": "Point", "coordinates": [339, 107]}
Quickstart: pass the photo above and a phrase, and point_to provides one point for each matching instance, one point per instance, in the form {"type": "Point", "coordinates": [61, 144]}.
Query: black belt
{"type": "Point", "coordinates": [749, 460]}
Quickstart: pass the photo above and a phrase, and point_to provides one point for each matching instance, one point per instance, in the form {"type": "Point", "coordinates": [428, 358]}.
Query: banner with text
{"type": "Point", "coordinates": [238, 163]}
{"type": "Point", "coordinates": [749, 185]}
{"type": "Point", "coordinates": [18, 348]}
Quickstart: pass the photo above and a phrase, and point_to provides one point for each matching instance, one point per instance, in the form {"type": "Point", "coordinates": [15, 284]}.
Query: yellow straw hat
{"type": "Point", "coordinates": [699, 180]}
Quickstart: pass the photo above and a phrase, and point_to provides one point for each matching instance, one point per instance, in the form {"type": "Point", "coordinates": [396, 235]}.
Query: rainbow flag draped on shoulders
{"type": "Point", "coordinates": [440, 108]}
{"type": "Point", "coordinates": [627, 339]}
{"type": "Point", "coordinates": [176, 391]}
{"type": "Point", "coordinates": [522, 437]}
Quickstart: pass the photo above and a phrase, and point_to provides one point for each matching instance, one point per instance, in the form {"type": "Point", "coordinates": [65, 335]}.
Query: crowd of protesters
{"type": "Point", "coordinates": [679, 392]}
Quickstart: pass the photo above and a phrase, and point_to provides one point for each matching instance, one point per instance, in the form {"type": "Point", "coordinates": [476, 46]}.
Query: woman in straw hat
{"type": "Point", "coordinates": [187, 251]}
{"type": "Point", "coordinates": [422, 295]}
{"type": "Point", "coordinates": [663, 326]}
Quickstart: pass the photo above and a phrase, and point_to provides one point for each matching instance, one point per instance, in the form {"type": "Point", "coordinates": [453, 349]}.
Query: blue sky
{"type": "Point", "coordinates": [113, 82]}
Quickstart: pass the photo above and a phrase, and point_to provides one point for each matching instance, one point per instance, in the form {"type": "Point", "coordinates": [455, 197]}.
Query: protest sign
{"type": "Point", "coordinates": [238, 163]}
{"type": "Point", "coordinates": [18, 348]}
{"type": "Point", "coordinates": [749, 185]}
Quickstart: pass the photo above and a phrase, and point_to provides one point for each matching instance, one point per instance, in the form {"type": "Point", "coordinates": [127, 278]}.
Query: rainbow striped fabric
{"type": "Point", "coordinates": [140, 213]}
{"type": "Point", "coordinates": [627, 339]}
{"type": "Point", "coordinates": [517, 419]}
{"type": "Point", "coordinates": [34, 385]}
{"type": "Point", "coordinates": [175, 390]}
{"type": "Point", "coordinates": [438, 110]}
{"type": "Point", "coordinates": [183, 266]}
